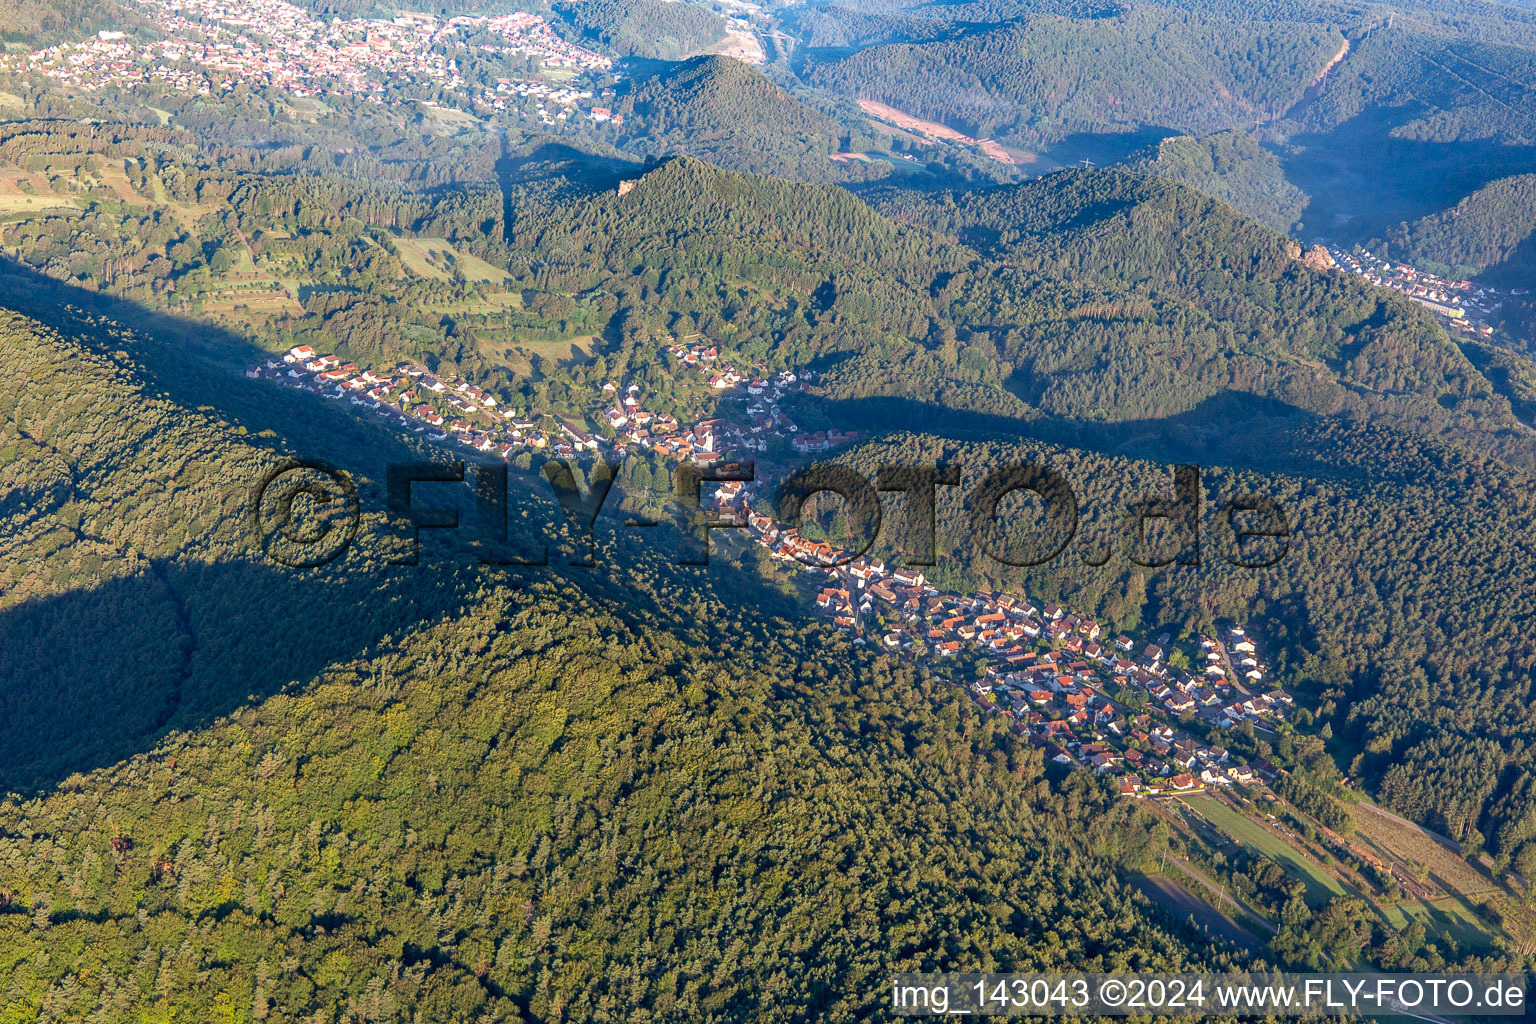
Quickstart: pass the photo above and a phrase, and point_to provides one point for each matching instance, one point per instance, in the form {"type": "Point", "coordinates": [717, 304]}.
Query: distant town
{"type": "Point", "coordinates": [213, 46]}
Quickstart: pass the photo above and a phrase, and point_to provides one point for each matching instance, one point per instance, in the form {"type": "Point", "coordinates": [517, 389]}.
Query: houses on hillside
{"type": "Point", "coordinates": [1105, 704]}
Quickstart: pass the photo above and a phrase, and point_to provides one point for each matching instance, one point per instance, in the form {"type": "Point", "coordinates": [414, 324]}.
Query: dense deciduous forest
{"type": "Point", "coordinates": [48, 21]}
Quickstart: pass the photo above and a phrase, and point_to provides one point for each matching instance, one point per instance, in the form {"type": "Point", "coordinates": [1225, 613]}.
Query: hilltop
{"type": "Point", "coordinates": [1231, 166]}
{"type": "Point", "coordinates": [732, 115]}
{"type": "Point", "coordinates": [654, 29]}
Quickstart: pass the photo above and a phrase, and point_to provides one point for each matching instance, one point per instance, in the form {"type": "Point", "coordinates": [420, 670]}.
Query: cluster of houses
{"type": "Point", "coordinates": [764, 391]}
{"type": "Point", "coordinates": [1051, 672]}
{"type": "Point", "coordinates": [451, 409]}
{"type": "Point", "coordinates": [414, 399]}
{"type": "Point", "coordinates": [551, 103]}
{"type": "Point", "coordinates": [1450, 301]}
{"type": "Point", "coordinates": [213, 45]}
{"type": "Point", "coordinates": [1060, 681]}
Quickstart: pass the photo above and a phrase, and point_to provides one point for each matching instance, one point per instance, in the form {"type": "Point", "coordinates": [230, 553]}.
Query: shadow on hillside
{"type": "Point", "coordinates": [93, 675]}
{"type": "Point", "coordinates": [96, 675]}
{"type": "Point", "coordinates": [1106, 148]}
{"type": "Point", "coordinates": [1363, 180]}
{"type": "Point", "coordinates": [1218, 431]}
{"type": "Point", "coordinates": [1518, 269]}
{"type": "Point", "coordinates": [549, 159]}
{"type": "Point", "coordinates": [195, 364]}
{"type": "Point", "coordinates": [638, 69]}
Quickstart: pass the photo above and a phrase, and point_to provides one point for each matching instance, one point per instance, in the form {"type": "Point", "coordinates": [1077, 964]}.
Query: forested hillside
{"type": "Point", "coordinates": [1410, 121]}
{"type": "Point", "coordinates": [133, 583]}
{"type": "Point", "coordinates": [1110, 312]}
{"type": "Point", "coordinates": [1438, 89]}
{"type": "Point", "coordinates": [657, 29]}
{"type": "Point", "coordinates": [41, 22]}
{"type": "Point", "coordinates": [1108, 322]}
{"type": "Point", "coordinates": [1233, 167]}
{"type": "Point", "coordinates": [1047, 76]}
{"type": "Point", "coordinates": [827, 26]}
{"type": "Point", "coordinates": [478, 793]}
{"type": "Point", "coordinates": [431, 777]}
{"type": "Point", "coordinates": [1375, 114]}
{"type": "Point", "coordinates": [1132, 299]}
{"type": "Point", "coordinates": [722, 111]}
{"type": "Point", "coordinates": [1095, 297]}
{"type": "Point", "coordinates": [1491, 229]}
{"type": "Point", "coordinates": [1388, 534]}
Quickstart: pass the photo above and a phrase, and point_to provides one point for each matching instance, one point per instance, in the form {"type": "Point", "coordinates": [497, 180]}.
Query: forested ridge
{"type": "Point", "coordinates": [1046, 76]}
{"type": "Point", "coordinates": [1108, 322]}
{"type": "Point", "coordinates": [449, 789]}
{"type": "Point", "coordinates": [645, 28]}
{"type": "Point", "coordinates": [1441, 89]}
{"type": "Point", "coordinates": [1231, 166]}
{"type": "Point", "coordinates": [1085, 296]}
{"type": "Point", "coordinates": [1420, 102]}
{"type": "Point", "coordinates": [133, 583]}
{"type": "Point", "coordinates": [1491, 229]}
{"type": "Point", "coordinates": [1147, 299]}
{"type": "Point", "coordinates": [1140, 314]}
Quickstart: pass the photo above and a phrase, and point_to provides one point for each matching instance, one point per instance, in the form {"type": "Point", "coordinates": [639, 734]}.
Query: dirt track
{"type": "Point", "coordinates": [933, 130]}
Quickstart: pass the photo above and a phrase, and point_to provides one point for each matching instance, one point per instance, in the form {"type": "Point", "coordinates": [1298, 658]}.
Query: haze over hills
{"type": "Point", "coordinates": [1376, 115]}
{"type": "Point", "coordinates": [1233, 167]}
{"type": "Point", "coordinates": [657, 29]}
{"type": "Point", "coordinates": [1048, 76]}
{"type": "Point", "coordinates": [1491, 229]}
